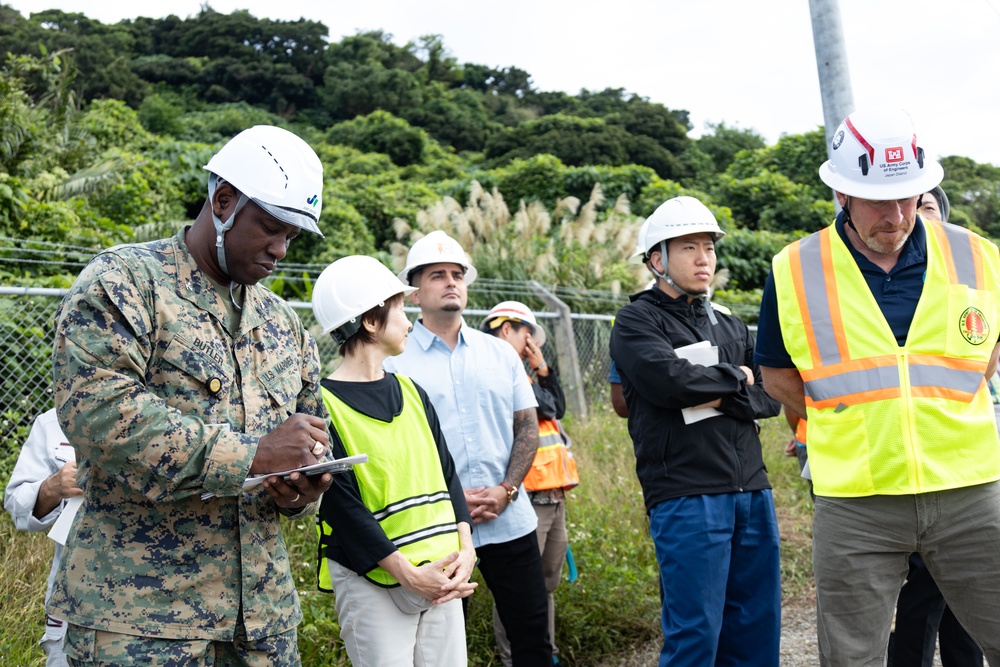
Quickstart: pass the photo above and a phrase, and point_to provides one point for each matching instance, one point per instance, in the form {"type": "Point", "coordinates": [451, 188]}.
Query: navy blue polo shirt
{"type": "Point", "coordinates": [896, 292]}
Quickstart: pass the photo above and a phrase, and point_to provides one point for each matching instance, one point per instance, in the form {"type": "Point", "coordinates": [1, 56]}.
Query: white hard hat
{"type": "Point", "coordinates": [875, 156]}
{"type": "Point", "coordinates": [676, 217]}
{"type": "Point", "coordinates": [437, 248]}
{"type": "Point", "coordinates": [513, 311]}
{"type": "Point", "coordinates": [640, 250]}
{"type": "Point", "coordinates": [349, 288]}
{"type": "Point", "coordinates": [277, 171]}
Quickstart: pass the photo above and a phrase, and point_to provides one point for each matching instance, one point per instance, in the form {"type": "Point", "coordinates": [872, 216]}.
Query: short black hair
{"type": "Point", "coordinates": [495, 331]}
{"type": "Point", "coordinates": [942, 200]}
{"type": "Point", "coordinates": [378, 316]}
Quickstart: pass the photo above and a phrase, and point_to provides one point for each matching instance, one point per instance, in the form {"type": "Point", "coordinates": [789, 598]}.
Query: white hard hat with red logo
{"type": "Point", "coordinates": [436, 248]}
{"type": "Point", "coordinates": [875, 155]}
{"type": "Point", "coordinates": [513, 311]}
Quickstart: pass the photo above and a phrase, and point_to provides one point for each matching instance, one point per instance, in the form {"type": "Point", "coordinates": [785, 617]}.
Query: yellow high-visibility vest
{"type": "Point", "coordinates": [402, 483]}
{"type": "Point", "coordinates": [885, 418]}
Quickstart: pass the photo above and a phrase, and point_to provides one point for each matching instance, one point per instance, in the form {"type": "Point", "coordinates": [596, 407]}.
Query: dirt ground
{"type": "Point", "coordinates": [798, 639]}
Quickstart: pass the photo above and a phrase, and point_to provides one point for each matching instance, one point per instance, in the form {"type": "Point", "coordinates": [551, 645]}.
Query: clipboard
{"type": "Point", "coordinates": [335, 466]}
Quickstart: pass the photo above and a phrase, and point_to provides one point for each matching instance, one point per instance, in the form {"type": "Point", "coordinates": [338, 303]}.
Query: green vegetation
{"type": "Point", "coordinates": [608, 536]}
{"type": "Point", "coordinates": [104, 129]}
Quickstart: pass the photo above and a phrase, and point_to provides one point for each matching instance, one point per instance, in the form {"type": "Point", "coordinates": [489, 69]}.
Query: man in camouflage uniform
{"type": "Point", "coordinates": [176, 374]}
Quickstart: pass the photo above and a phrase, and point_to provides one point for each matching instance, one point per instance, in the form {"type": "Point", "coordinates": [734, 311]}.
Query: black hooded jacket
{"type": "Point", "coordinates": [721, 454]}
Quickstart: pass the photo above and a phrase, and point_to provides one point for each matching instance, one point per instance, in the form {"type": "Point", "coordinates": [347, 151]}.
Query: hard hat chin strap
{"type": "Point", "coordinates": [222, 227]}
{"type": "Point", "coordinates": [847, 216]}
{"type": "Point", "coordinates": [342, 333]}
{"type": "Point", "coordinates": [665, 275]}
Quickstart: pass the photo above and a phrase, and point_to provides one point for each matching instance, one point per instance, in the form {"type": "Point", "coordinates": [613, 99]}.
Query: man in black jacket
{"type": "Point", "coordinates": [693, 395]}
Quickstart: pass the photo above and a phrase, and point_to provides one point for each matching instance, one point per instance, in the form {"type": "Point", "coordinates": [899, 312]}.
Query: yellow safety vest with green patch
{"type": "Point", "coordinates": [885, 418]}
{"type": "Point", "coordinates": [402, 484]}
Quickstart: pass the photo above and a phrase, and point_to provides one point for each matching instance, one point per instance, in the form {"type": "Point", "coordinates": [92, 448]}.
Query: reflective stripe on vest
{"type": "Point", "coordinates": [885, 418]}
{"type": "Point", "coordinates": [402, 484]}
{"type": "Point", "coordinates": [553, 466]}
{"type": "Point", "coordinates": [873, 378]}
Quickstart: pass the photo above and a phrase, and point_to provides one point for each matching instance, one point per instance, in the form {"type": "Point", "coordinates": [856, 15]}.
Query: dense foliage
{"type": "Point", "coordinates": [104, 130]}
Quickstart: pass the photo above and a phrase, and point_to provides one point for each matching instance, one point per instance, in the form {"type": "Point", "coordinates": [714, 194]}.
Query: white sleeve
{"type": "Point", "coordinates": [38, 460]}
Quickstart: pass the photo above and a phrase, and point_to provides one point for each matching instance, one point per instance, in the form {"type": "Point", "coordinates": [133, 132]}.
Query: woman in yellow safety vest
{"type": "Point", "coordinates": [395, 532]}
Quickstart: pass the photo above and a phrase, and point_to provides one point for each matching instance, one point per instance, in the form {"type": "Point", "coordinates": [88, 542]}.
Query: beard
{"type": "Point", "coordinates": [884, 247]}
{"type": "Point", "coordinates": [451, 308]}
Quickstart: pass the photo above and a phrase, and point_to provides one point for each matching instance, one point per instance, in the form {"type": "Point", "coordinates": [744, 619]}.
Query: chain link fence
{"type": "Point", "coordinates": [27, 321]}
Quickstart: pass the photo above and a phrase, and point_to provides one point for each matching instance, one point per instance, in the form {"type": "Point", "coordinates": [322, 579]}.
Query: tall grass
{"type": "Point", "coordinates": [24, 568]}
{"type": "Point", "coordinates": [611, 609]}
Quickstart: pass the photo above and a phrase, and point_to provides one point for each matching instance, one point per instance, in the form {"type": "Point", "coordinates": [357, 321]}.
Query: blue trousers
{"type": "Point", "coordinates": [720, 573]}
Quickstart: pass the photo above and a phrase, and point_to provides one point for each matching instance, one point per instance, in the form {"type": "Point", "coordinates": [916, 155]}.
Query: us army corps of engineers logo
{"type": "Point", "coordinates": [973, 326]}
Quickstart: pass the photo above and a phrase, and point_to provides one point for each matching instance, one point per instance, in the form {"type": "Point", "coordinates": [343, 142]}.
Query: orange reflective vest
{"type": "Point", "coordinates": [554, 466]}
{"type": "Point", "coordinates": [885, 418]}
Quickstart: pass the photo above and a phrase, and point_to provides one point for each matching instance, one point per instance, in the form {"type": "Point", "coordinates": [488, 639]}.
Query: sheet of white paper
{"type": "Point", "coordinates": [60, 529]}
{"type": "Point", "coordinates": [335, 466]}
{"type": "Point", "coordinates": [702, 353]}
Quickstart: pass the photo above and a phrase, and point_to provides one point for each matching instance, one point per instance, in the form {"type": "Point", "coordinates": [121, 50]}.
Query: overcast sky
{"type": "Point", "coordinates": [748, 64]}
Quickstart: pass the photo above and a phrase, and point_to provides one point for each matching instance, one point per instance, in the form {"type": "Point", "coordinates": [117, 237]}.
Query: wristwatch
{"type": "Point", "coordinates": [512, 491]}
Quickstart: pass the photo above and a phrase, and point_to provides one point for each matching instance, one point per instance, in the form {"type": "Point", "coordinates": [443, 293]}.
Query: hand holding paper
{"type": "Point", "coordinates": [702, 353]}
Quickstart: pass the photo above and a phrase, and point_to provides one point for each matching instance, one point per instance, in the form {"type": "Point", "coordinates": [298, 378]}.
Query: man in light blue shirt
{"type": "Point", "coordinates": [487, 412]}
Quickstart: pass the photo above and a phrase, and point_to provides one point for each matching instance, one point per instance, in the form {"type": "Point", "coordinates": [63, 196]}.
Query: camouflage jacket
{"type": "Point", "coordinates": [141, 343]}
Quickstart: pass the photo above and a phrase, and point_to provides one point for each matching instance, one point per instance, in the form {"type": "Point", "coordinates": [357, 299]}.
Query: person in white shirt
{"type": "Point", "coordinates": [482, 396]}
{"type": "Point", "coordinates": [44, 479]}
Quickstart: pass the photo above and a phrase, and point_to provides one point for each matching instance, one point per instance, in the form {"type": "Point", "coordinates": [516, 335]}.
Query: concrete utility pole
{"type": "Point", "coordinates": [569, 361]}
{"type": "Point", "coordinates": [831, 63]}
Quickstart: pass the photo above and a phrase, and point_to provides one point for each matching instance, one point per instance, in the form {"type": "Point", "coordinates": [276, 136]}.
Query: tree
{"type": "Point", "coordinates": [575, 141]}
{"type": "Point", "coordinates": [747, 255]}
{"type": "Point", "coordinates": [213, 35]}
{"type": "Point", "coordinates": [376, 47]}
{"type": "Point", "coordinates": [101, 52]}
{"type": "Point", "coordinates": [455, 117]}
{"type": "Point", "coordinates": [511, 81]}
{"type": "Point", "coordinates": [768, 200]}
{"type": "Point", "coordinates": [115, 126]}
{"type": "Point", "coordinates": [381, 132]}
{"type": "Point", "coordinates": [352, 89]}
{"type": "Point", "coordinates": [439, 65]}
{"type": "Point", "coordinates": [161, 114]}
{"type": "Point", "coordinates": [279, 88]}
{"type": "Point", "coordinates": [722, 144]}
{"type": "Point", "coordinates": [221, 122]}
{"type": "Point", "coordinates": [974, 193]}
